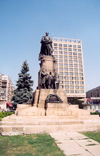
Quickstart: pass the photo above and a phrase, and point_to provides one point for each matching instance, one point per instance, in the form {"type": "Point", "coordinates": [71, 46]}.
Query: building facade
{"type": "Point", "coordinates": [6, 88]}
{"type": "Point", "coordinates": [69, 56]}
{"type": "Point", "coordinates": [95, 92]}
{"type": "Point", "coordinates": [93, 99]}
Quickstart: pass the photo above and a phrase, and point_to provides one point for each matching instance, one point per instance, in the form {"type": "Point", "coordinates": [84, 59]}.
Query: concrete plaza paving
{"type": "Point", "coordinates": [76, 144]}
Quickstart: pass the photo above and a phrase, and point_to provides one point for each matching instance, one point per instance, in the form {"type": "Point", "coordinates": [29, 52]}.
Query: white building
{"type": "Point", "coordinates": [69, 56]}
{"type": "Point", "coordinates": [6, 88]}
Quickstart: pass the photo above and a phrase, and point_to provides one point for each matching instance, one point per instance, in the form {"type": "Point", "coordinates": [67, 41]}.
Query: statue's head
{"type": "Point", "coordinates": [47, 33]}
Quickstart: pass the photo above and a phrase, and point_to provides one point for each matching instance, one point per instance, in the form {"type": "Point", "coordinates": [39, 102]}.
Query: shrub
{"type": "Point", "coordinates": [4, 114]}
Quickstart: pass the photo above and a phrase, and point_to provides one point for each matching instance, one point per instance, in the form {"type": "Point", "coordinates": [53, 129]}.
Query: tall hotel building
{"type": "Point", "coordinates": [69, 56]}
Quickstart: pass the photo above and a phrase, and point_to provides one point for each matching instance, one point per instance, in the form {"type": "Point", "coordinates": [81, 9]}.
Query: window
{"type": "Point", "coordinates": [76, 82]}
{"type": "Point", "coordinates": [61, 77]}
{"type": "Point", "coordinates": [65, 60]}
{"type": "Point", "coordinates": [80, 62]}
{"type": "Point", "coordinates": [65, 65]}
{"type": "Point", "coordinates": [71, 82]}
{"type": "Point", "coordinates": [79, 50]}
{"type": "Point", "coordinates": [60, 52]}
{"type": "Point", "coordinates": [71, 78]}
{"type": "Point", "coordinates": [79, 58]}
{"type": "Point", "coordinates": [82, 91]}
{"type": "Point", "coordinates": [61, 86]}
{"type": "Point", "coordinates": [60, 60]}
{"type": "Point", "coordinates": [71, 87]}
{"type": "Point", "coordinates": [65, 56]}
{"type": "Point", "coordinates": [70, 65]}
{"type": "Point", "coordinates": [75, 65]}
{"type": "Point", "coordinates": [55, 44]}
{"type": "Point", "coordinates": [74, 49]}
{"type": "Point", "coordinates": [70, 49]}
{"type": "Point", "coordinates": [66, 69]}
{"type": "Point", "coordinates": [79, 46]}
{"type": "Point", "coordinates": [60, 45]}
{"type": "Point", "coordinates": [71, 91]}
{"type": "Point", "coordinates": [77, 87]}
{"type": "Point", "coordinates": [67, 91]}
{"type": "Point", "coordinates": [60, 73]}
{"type": "Point", "coordinates": [65, 52]}
{"type": "Point", "coordinates": [75, 69]}
{"type": "Point", "coordinates": [65, 45]}
{"type": "Point", "coordinates": [81, 74]}
{"type": "Point", "coordinates": [66, 77]}
{"type": "Point", "coordinates": [74, 53]}
{"type": "Point", "coordinates": [55, 56]}
{"type": "Point", "coordinates": [55, 52]}
{"type": "Point", "coordinates": [55, 47]}
{"type": "Point", "coordinates": [60, 56]}
{"type": "Point", "coordinates": [66, 73]}
{"type": "Point", "coordinates": [75, 61]}
{"type": "Point", "coordinates": [66, 86]}
{"type": "Point", "coordinates": [80, 66]}
{"type": "Point", "coordinates": [75, 57]}
{"type": "Point", "coordinates": [71, 73]}
{"type": "Point", "coordinates": [79, 54]}
{"type": "Point", "coordinates": [69, 45]}
{"type": "Point", "coordinates": [81, 78]}
{"type": "Point", "coordinates": [76, 78]}
{"type": "Point", "coordinates": [74, 46]}
{"type": "Point", "coordinates": [70, 53]}
{"type": "Point", "coordinates": [65, 49]}
{"type": "Point", "coordinates": [70, 57]}
{"type": "Point", "coordinates": [61, 82]}
{"type": "Point", "coordinates": [76, 91]}
{"type": "Point", "coordinates": [76, 74]}
{"type": "Point", "coordinates": [60, 64]}
{"type": "Point", "coordinates": [60, 48]}
{"type": "Point", "coordinates": [81, 70]}
{"type": "Point", "coordinates": [81, 87]}
{"type": "Point", "coordinates": [70, 61]}
{"type": "Point", "coordinates": [60, 68]}
{"type": "Point", "coordinates": [81, 82]}
{"type": "Point", "coordinates": [70, 69]}
{"type": "Point", "coordinates": [66, 82]}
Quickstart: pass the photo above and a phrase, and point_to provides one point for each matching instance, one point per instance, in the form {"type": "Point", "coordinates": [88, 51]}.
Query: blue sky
{"type": "Point", "coordinates": [24, 22]}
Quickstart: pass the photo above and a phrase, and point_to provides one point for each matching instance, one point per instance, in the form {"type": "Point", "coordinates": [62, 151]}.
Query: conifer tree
{"type": "Point", "coordinates": [23, 92]}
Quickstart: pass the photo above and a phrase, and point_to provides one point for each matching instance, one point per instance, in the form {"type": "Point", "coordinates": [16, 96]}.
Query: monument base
{"type": "Point", "coordinates": [48, 117]}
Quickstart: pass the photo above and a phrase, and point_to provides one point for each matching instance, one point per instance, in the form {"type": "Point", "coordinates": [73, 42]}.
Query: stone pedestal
{"type": "Point", "coordinates": [48, 64]}
{"type": "Point", "coordinates": [43, 93]}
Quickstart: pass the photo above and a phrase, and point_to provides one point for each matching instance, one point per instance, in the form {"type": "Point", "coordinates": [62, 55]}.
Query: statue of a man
{"type": "Point", "coordinates": [43, 77]}
{"type": "Point", "coordinates": [46, 45]}
{"type": "Point", "coordinates": [56, 81]}
{"type": "Point", "coordinates": [49, 83]}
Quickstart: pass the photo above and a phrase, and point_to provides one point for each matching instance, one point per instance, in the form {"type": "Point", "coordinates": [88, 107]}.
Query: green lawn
{"type": "Point", "coordinates": [93, 135]}
{"type": "Point", "coordinates": [29, 145]}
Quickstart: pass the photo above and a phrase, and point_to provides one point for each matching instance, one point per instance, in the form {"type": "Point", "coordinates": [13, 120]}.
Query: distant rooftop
{"type": "Point", "coordinates": [66, 40]}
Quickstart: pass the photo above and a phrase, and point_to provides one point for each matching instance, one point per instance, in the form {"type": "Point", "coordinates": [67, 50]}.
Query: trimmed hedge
{"type": "Point", "coordinates": [95, 113]}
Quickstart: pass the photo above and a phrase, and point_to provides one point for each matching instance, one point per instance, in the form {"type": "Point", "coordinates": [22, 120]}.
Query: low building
{"type": "Point", "coordinates": [6, 88]}
{"type": "Point", "coordinates": [93, 99]}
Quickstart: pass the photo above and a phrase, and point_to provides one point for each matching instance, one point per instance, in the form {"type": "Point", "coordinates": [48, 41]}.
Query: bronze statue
{"type": "Point", "coordinates": [46, 45]}
{"type": "Point", "coordinates": [49, 83]}
{"type": "Point", "coordinates": [56, 81]}
{"type": "Point", "coordinates": [43, 77]}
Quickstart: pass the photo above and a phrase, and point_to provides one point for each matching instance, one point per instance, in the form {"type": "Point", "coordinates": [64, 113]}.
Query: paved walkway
{"type": "Point", "coordinates": [76, 144]}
